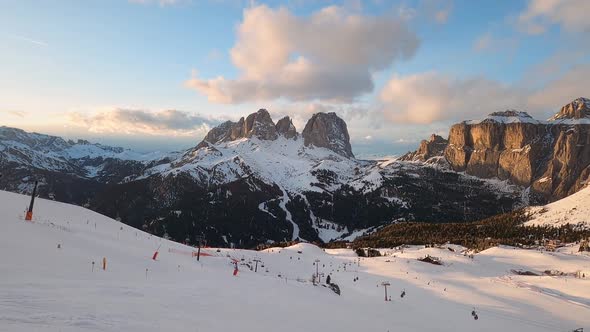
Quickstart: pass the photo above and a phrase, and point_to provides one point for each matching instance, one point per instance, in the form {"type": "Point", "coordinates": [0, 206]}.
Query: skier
{"type": "Point", "coordinates": [328, 279]}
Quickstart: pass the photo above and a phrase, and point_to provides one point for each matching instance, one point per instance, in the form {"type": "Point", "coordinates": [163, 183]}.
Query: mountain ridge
{"type": "Point", "coordinates": [253, 181]}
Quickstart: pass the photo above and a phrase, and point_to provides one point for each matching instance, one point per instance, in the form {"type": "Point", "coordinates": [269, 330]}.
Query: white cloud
{"type": "Point", "coordinates": [329, 55]}
{"type": "Point", "coordinates": [28, 40]}
{"type": "Point", "coordinates": [134, 121]}
{"type": "Point", "coordinates": [572, 84]}
{"type": "Point", "coordinates": [540, 14]}
{"type": "Point", "coordinates": [430, 97]}
{"type": "Point", "coordinates": [19, 114]}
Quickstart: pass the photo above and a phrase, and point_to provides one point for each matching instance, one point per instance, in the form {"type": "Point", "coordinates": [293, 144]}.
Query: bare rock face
{"type": "Point", "coordinates": [218, 134]}
{"type": "Point", "coordinates": [552, 157]}
{"type": "Point", "coordinates": [567, 169]}
{"type": "Point", "coordinates": [257, 124]}
{"type": "Point", "coordinates": [504, 145]}
{"type": "Point", "coordinates": [286, 128]}
{"type": "Point", "coordinates": [429, 151]}
{"type": "Point", "coordinates": [577, 109]}
{"type": "Point", "coordinates": [329, 131]}
{"type": "Point", "coordinates": [260, 124]}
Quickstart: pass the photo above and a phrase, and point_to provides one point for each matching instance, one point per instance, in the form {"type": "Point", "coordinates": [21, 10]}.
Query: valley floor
{"type": "Point", "coordinates": [46, 288]}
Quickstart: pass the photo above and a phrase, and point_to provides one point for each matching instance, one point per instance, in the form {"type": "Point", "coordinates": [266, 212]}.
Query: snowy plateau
{"type": "Point", "coordinates": [52, 279]}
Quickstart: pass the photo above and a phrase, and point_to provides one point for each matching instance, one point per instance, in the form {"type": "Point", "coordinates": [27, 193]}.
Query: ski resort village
{"type": "Point", "coordinates": [294, 166]}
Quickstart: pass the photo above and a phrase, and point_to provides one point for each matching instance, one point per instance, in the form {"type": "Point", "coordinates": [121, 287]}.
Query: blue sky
{"type": "Point", "coordinates": [113, 70]}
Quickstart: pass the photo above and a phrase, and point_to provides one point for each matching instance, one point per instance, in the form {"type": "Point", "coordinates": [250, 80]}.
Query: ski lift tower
{"type": "Point", "coordinates": [257, 260]}
{"type": "Point", "coordinates": [385, 284]}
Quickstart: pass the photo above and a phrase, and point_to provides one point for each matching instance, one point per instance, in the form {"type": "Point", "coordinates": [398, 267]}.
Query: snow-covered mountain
{"type": "Point", "coordinates": [551, 159]}
{"type": "Point", "coordinates": [56, 154]}
{"type": "Point", "coordinates": [253, 181]}
{"type": "Point", "coordinates": [576, 112]}
{"type": "Point", "coordinates": [306, 185]}
{"type": "Point", "coordinates": [52, 279]}
{"type": "Point", "coordinates": [70, 171]}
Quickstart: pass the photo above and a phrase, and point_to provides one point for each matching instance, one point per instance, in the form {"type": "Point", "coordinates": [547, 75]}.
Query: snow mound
{"type": "Point", "coordinates": [574, 210]}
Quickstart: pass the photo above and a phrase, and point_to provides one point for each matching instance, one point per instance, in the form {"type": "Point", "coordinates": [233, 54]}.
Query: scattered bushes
{"type": "Point", "coordinates": [370, 252]}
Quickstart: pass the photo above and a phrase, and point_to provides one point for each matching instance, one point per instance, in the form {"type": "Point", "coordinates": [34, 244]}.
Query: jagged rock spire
{"type": "Point", "coordinates": [327, 130]}
{"type": "Point", "coordinates": [577, 109]}
{"type": "Point", "coordinates": [286, 128]}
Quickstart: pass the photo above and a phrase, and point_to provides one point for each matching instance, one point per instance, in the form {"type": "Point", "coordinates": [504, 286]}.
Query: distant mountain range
{"type": "Point", "coordinates": [255, 181]}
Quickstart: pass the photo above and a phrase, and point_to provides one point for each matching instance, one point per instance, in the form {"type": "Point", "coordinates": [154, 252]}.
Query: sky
{"type": "Point", "coordinates": [158, 74]}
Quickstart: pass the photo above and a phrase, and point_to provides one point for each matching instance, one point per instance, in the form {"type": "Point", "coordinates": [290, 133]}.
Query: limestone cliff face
{"type": "Point", "coordinates": [260, 124]}
{"type": "Point", "coordinates": [327, 130]}
{"type": "Point", "coordinates": [496, 149]}
{"type": "Point", "coordinates": [430, 151]}
{"type": "Point", "coordinates": [552, 157]}
{"type": "Point", "coordinates": [576, 110]}
{"type": "Point", "coordinates": [286, 128]}
{"type": "Point", "coordinates": [567, 168]}
{"type": "Point", "coordinates": [257, 124]}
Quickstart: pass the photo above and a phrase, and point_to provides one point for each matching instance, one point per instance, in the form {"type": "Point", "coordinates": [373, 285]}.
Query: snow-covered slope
{"type": "Point", "coordinates": [286, 162]}
{"type": "Point", "coordinates": [46, 288]}
{"type": "Point", "coordinates": [574, 210]}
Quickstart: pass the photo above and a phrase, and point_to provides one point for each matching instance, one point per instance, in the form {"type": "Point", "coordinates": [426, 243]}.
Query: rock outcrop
{"type": "Point", "coordinates": [327, 130]}
{"type": "Point", "coordinates": [286, 128]}
{"type": "Point", "coordinates": [430, 151]}
{"type": "Point", "coordinates": [504, 145]}
{"type": "Point", "coordinates": [566, 165]}
{"type": "Point", "coordinates": [552, 157]}
{"type": "Point", "coordinates": [257, 124]}
{"type": "Point", "coordinates": [260, 124]}
{"type": "Point", "coordinates": [324, 130]}
{"type": "Point", "coordinates": [576, 110]}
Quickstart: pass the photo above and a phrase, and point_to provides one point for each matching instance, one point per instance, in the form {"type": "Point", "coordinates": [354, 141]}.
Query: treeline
{"type": "Point", "coordinates": [506, 229]}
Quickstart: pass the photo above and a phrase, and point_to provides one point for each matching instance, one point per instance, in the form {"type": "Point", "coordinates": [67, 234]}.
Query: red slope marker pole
{"type": "Point", "coordinates": [29, 216]}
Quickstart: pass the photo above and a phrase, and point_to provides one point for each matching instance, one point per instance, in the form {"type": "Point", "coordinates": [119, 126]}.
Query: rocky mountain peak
{"type": "Point", "coordinates": [577, 109]}
{"type": "Point", "coordinates": [257, 124]}
{"type": "Point", "coordinates": [219, 134]}
{"type": "Point", "coordinates": [260, 124]}
{"type": "Point", "coordinates": [433, 147]}
{"type": "Point", "coordinates": [329, 131]}
{"type": "Point", "coordinates": [286, 128]}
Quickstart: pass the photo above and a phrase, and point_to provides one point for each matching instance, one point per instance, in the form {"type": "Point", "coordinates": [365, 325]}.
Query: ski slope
{"type": "Point", "coordinates": [573, 209]}
{"type": "Point", "coordinates": [46, 288]}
